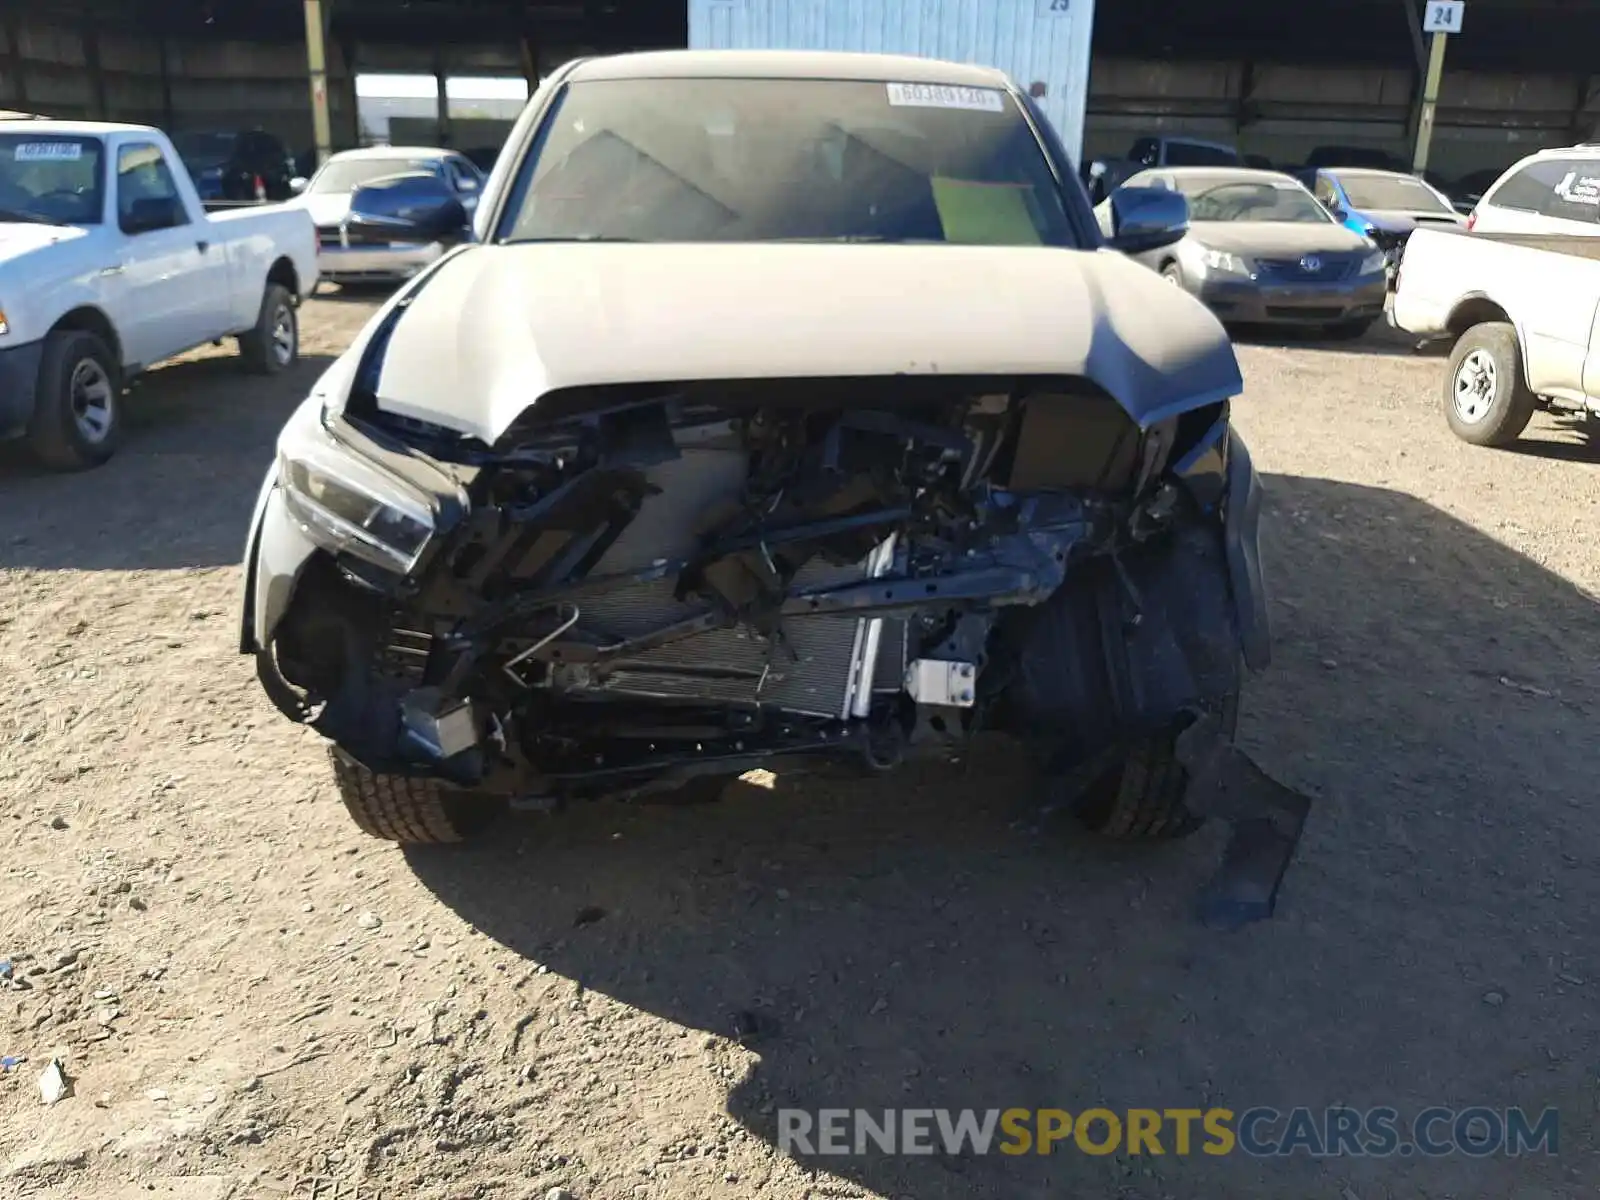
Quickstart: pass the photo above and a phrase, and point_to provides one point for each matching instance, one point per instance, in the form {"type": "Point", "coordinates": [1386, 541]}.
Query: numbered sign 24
{"type": "Point", "coordinates": [1442, 16]}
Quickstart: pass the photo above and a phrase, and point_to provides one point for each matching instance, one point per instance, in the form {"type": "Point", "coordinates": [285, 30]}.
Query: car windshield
{"type": "Point", "coordinates": [1252, 200]}
{"type": "Point", "coordinates": [1391, 191]}
{"type": "Point", "coordinates": [202, 150]}
{"type": "Point", "coordinates": [342, 176]}
{"type": "Point", "coordinates": [756, 160]}
{"type": "Point", "coordinates": [51, 178]}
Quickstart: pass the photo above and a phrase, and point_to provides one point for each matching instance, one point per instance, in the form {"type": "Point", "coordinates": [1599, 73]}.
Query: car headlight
{"type": "Point", "coordinates": [1221, 260]}
{"type": "Point", "coordinates": [348, 504]}
{"type": "Point", "coordinates": [1374, 262]}
{"type": "Point", "coordinates": [5, 326]}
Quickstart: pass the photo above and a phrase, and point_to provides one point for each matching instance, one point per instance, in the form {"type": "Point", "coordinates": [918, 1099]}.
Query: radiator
{"type": "Point", "coordinates": [816, 672]}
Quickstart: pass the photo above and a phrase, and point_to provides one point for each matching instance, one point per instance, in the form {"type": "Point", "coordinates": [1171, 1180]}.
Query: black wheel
{"type": "Point", "coordinates": [1349, 331]}
{"type": "Point", "coordinates": [1141, 797]}
{"type": "Point", "coordinates": [273, 345]}
{"type": "Point", "coordinates": [398, 808]}
{"type": "Point", "coordinates": [1172, 273]}
{"type": "Point", "coordinates": [1486, 399]}
{"type": "Point", "coordinates": [77, 415]}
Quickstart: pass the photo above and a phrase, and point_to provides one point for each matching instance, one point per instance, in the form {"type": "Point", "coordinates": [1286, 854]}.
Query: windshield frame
{"type": "Point", "coordinates": [1343, 183]}
{"type": "Point", "coordinates": [507, 191]}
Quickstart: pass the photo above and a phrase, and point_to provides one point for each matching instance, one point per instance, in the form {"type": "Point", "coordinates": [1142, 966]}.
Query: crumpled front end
{"type": "Point", "coordinates": [639, 584]}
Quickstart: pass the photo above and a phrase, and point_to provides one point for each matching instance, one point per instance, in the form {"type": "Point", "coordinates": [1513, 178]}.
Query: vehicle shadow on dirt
{"type": "Point", "coordinates": [1380, 340]}
{"type": "Point", "coordinates": [1560, 438]}
{"type": "Point", "coordinates": [198, 440]}
{"type": "Point", "coordinates": [923, 945]}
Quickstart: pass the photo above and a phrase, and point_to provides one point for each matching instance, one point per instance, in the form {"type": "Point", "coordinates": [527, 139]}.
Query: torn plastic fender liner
{"type": "Point", "coordinates": [1242, 540]}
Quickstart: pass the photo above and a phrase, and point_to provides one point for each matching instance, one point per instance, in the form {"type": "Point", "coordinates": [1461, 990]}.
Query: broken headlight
{"type": "Point", "coordinates": [347, 504]}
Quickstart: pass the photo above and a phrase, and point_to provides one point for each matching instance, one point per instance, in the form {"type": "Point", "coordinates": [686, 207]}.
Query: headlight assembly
{"type": "Point", "coordinates": [1221, 260]}
{"type": "Point", "coordinates": [1374, 262]}
{"type": "Point", "coordinates": [348, 504]}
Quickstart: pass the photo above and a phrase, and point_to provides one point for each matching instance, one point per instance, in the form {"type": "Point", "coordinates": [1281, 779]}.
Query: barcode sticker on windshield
{"type": "Point", "coordinates": [943, 95]}
{"type": "Point", "coordinates": [48, 152]}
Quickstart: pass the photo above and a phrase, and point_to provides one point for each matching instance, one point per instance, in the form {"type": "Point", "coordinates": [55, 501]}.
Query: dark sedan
{"type": "Point", "coordinates": [1261, 250]}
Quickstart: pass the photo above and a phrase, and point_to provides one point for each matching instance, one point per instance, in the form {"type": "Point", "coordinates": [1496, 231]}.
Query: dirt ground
{"type": "Point", "coordinates": [250, 999]}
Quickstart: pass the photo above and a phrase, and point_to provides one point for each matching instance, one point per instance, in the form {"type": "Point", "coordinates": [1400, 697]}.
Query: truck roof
{"type": "Point", "coordinates": [786, 64]}
{"type": "Point", "coordinates": [76, 128]}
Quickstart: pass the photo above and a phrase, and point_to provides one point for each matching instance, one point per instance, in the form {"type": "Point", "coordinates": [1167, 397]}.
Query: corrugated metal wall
{"type": "Point", "coordinates": [1042, 44]}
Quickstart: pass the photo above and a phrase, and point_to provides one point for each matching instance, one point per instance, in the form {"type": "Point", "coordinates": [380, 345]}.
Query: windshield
{"type": "Point", "coordinates": [344, 176]}
{"type": "Point", "coordinates": [1391, 191]}
{"type": "Point", "coordinates": [201, 150]}
{"type": "Point", "coordinates": [50, 178]}
{"type": "Point", "coordinates": [755, 160]}
{"type": "Point", "coordinates": [1250, 200]}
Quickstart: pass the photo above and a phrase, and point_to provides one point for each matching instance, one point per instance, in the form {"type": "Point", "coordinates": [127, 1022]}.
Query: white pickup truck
{"type": "Point", "coordinates": [109, 264]}
{"type": "Point", "coordinates": [1522, 310]}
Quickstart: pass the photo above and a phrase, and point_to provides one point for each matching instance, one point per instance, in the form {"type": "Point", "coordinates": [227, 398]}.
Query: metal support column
{"type": "Point", "coordinates": [349, 98]}
{"type": "Point", "coordinates": [165, 52]}
{"type": "Point", "coordinates": [1419, 53]}
{"type": "Point", "coordinates": [317, 67]}
{"type": "Point", "coordinates": [15, 67]}
{"type": "Point", "coordinates": [97, 75]}
{"type": "Point", "coordinates": [1244, 111]}
{"type": "Point", "coordinates": [527, 44]}
{"type": "Point", "coordinates": [1430, 103]}
{"type": "Point", "coordinates": [441, 73]}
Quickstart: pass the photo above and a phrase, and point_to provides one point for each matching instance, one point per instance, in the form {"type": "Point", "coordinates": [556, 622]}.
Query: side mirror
{"type": "Point", "coordinates": [418, 209]}
{"type": "Point", "coordinates": [1147, 218]}
{"type": "Point", "coordinates": [298, 184]}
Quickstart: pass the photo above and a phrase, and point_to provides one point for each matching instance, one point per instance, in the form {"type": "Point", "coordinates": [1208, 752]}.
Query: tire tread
{"type": "Point", "coordinates": [399, 808]}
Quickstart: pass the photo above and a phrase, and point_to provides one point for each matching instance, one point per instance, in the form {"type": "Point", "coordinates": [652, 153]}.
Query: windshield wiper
{"type": "Point", "coordinates": [14, 214]}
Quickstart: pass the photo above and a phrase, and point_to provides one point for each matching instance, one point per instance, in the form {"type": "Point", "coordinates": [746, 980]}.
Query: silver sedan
{"type": "Point", "coordinates": [1262, 250]}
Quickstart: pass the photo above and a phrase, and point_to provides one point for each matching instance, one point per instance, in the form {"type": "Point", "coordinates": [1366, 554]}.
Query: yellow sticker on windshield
{"type": "Point", "coordinates": [985, 214]}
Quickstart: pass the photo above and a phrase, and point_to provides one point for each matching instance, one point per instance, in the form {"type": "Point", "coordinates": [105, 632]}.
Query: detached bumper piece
{"type": "Point", "coordinates": [1267, 819]}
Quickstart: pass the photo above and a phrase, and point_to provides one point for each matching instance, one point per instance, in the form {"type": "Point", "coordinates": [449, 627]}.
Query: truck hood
{"type": "Point", "coordinates": [497, 327]}
{"type": "Point", "coordinates": [1285, 239]}
{"type": "Point", "coordinates": [18, 238]}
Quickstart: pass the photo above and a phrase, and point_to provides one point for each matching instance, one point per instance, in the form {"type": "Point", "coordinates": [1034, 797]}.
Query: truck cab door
{"type": "Point", "coordinates": [172, 284]}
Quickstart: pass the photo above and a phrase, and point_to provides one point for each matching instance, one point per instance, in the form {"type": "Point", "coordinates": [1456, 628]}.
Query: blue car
{"type": "Point", "coordinates": [1382, 205]}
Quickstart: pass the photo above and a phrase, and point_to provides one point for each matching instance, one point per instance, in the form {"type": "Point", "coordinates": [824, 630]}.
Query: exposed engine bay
{"type": "Point", "coordinates": [649, 584]}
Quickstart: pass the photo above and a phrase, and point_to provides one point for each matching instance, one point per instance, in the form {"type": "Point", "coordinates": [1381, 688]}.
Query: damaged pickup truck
{"type": "Point", "coordinates": [786, 411]}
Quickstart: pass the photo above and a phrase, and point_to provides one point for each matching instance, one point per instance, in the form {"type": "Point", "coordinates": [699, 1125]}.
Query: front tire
{"type": "Point", "coordinates": [273, 346]}
{"type": "Point", "coordinates": [414, 812]}
{"type": "Point", "coordinates": [1487, 401]}
{"type": "Point", "coordinates": [1141, 798]}
{"type": "Point", "coordinates": [77, 416]}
